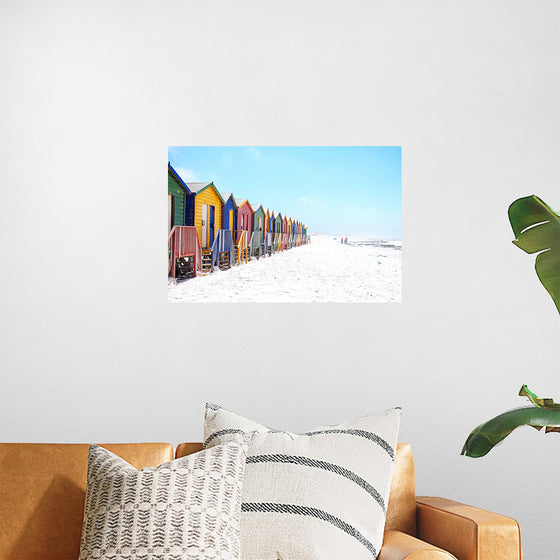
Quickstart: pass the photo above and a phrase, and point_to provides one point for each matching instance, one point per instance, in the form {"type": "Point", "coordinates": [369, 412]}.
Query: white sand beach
{"type": "Point", "coordinates": [364, 270]}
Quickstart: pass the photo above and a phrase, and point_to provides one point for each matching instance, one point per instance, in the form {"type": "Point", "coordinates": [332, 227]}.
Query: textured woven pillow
{"type": "Point", "coordinates": [187, 509]}
{"type": "Point", "coordinates": [321, 495]}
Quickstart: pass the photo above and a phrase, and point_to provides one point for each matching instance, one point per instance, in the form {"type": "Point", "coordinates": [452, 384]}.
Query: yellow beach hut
{"type": "Point", "coordinates": [204, 211]}
{"type": "Point", "coordinates": [290, 236]}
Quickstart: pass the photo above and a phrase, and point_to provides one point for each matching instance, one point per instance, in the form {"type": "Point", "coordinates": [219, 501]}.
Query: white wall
{"type": "Point", "coordinates": [92, 94]}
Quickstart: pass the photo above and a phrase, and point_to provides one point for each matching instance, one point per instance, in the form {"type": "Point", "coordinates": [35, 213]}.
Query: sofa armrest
{"type": "Point", "coordinates": [467, 532]}
{"type": "Point", "coordinates": [401, 546]}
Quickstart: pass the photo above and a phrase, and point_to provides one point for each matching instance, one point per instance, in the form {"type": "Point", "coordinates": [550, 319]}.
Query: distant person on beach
{"type": "Point", "coordinates": [341, 240]}
{"type": "Point", "coordinates": [345, 240]}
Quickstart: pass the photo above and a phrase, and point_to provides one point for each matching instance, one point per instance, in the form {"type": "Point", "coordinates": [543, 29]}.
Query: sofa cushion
{"type": "Point", "coordinates": [401, 510]}
{"type": "Point", "coordinates": [322, 494]}
{"type": "Point", "coordinates": [186, 509]}
{"type": "Point", "coordinates": [42, 492]}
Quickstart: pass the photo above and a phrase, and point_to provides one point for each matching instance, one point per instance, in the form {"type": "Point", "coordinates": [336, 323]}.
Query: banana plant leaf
{"type": "Point", "coordinates": [544, 413]}
{"type": "Point", "coordinates": [537, 401]}
{"type": "Point", "coordinates": [536, 227]}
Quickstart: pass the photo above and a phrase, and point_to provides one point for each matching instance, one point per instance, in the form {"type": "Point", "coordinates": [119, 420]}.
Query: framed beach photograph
{"type": "Point", "coordinates": [284, 224]}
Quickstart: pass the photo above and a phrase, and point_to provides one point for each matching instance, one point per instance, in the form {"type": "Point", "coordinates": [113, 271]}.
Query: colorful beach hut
{"type": "Point", "coordinates": [258, 220]}
{"type": "Point", "coordinates": [267, 235]}
{"type": "Point", "coordinates": [177, 192]}
{"type": "Point", "coordinates": [204, 210]}
{"type": "Point", "coordinates": [272, 229]}
{"type": "Point", "coordinates": [290, 233]}
{"type": "Point", "coordinates": [230, 212]}
{"type": "Point", "coordinates": [285, 238]}
{"type": "Point", "coordinates": [244, 216]}
{"type": "Point", "coordinates": [278, 231]}
{"type": "Point", "coordinates": [257, 237]}
{"type": "Point", "coordinates": [266, 219]}
{"type": "Point", "coordinates": [271, 224]}
{"type": "Point", "coordinates": [240, 253]}
{"type": "Point", "coordinates": [229, 223]}
{"type": "Point", "coordinates": [183, 246]}
{"type": "Point", "coordinates": [244, 224]}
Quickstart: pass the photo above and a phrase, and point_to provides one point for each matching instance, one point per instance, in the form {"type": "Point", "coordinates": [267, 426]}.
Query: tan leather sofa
{"type": "Point", "coordinates": [42, 491]}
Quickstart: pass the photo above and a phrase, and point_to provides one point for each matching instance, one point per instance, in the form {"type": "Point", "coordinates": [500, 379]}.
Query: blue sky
{"type": "Point", "coordinates": [334, 190]}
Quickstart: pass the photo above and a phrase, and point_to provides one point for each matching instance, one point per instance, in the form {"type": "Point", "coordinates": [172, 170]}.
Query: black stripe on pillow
{"type": "Point", "coordinates": [315, 463]}
{"type": "Point", "coordinates": [360, 433]}
{"type": "Point", "coordinates": [311, 512]}
{"type": "Point", "coordinates": [221, 433]}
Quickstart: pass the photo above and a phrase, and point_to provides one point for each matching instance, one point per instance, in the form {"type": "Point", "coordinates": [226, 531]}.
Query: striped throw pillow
{"type": "Point", "coordinates": [321, 495]}
{"type": "Point", "coordinates": [187, 509]}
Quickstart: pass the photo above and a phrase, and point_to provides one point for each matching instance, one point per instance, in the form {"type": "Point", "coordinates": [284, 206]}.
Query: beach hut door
{"type": "Point", "coordinates": [211, 220]}
{"type": "Point", "coordinates": [169, 212]}
{"type": "Point", "coordinates": [204, 225]}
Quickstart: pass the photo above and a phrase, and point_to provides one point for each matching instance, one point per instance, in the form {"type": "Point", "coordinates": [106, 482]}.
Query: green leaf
{"type": "Point", "coordinates": [536, 227]}
{"type": "Point", "coordinates": [483, 438]}
{"type": "Point", "coordinates": [541, 403]}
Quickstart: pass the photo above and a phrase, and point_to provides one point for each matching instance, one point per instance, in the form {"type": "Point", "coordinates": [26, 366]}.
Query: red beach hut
{"type": "Point", "coordinates": [244, 216]}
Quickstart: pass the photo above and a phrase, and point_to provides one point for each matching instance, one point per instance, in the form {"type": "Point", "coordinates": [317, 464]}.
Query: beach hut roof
{"type": "Point", "coordinates": [241, 201]}
{"type": "Point", "coordinates": [226, 195]}
{"type": "Point", "coordinates": [177, 177]}
{"type": "Point", "coordinates": [197, 188]}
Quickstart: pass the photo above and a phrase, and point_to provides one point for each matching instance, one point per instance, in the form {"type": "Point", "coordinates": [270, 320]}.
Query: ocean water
{"type": "Point", "coordinates": [374, 242]}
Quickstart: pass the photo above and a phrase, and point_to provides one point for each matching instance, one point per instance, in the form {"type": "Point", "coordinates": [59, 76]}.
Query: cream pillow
{"type": "Point", "coordinates": [321, 495]}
